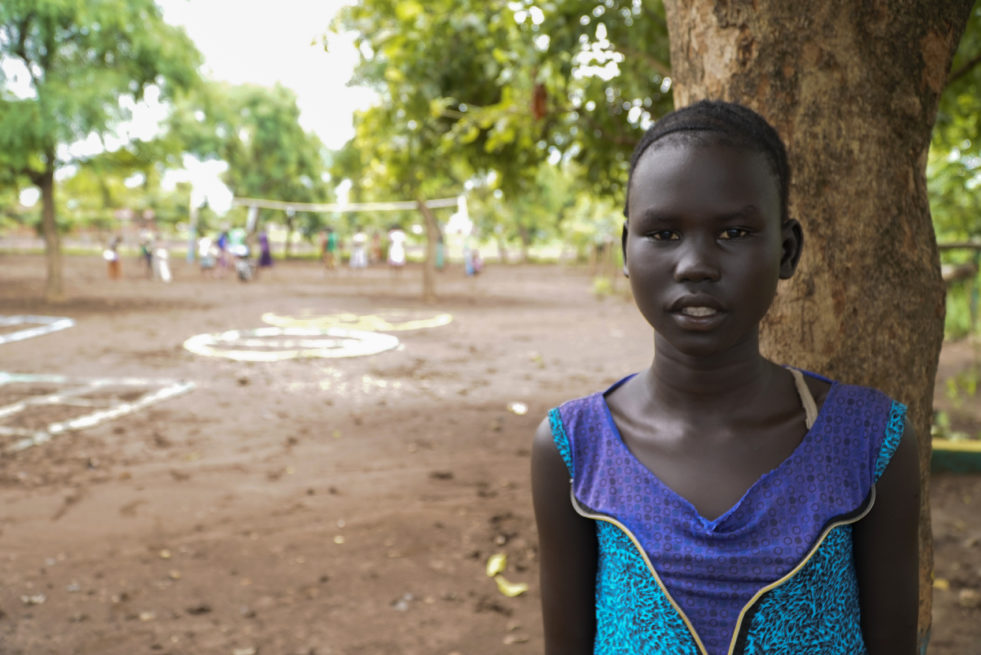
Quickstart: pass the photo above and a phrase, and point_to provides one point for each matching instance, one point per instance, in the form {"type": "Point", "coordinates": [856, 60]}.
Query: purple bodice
{"type": "Point", "coordinates": [714, 568]}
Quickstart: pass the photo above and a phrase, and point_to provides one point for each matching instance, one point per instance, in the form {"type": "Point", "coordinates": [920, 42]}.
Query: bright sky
{"type": "Point", "coordinates": [261, 42]}
{"type": "Point", "coordinates": [265, 42]}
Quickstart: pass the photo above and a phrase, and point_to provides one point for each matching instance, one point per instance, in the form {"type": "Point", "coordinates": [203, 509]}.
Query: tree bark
{"type": "Point", "coordinates": [53, 287]}
{"type": "Point", "coordinates": [287, 248]}
{"type": "Point", "coordinates": [853, 89]}
{"type": "Point", "coordinates": [429, 263]}
{"type": "Point", "coordinates": [525, 237]}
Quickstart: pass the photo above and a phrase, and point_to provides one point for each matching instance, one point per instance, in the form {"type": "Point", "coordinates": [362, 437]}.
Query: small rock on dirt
{"type": "Point", "coordinates": [969, 599]}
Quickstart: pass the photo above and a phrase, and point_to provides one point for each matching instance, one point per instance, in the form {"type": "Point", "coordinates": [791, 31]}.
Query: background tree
{"type": "Point", "coordinates": [853, 88]}
{"type": "Point", "coordinates": [954, 176]}
{"type": "Point", "coordinates": [428, 68]}
{"type": "Point", "coordinates": [80, 60]}
{"type": "Point", "coordinates": [472, 87]}
{"type": "Point", "coordinates": [256, 130]}
{"type": "Point", "coordinates": [854, 91]}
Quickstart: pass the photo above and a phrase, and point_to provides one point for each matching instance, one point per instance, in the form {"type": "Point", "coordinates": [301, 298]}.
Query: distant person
{"type": "Point", "coordinates": [161, 264]}
{"type": "Point", "coordinates": [376, 247]}
{"type": "Point", "coordinates": [207, 255]}
{"type": "Point", "coordinates": [330, 248]}
{"type": "Point", "coordinates": [440, 252]}
{"type": "Point", "coordinates": [146, 252]}
{"type": "Point", "coordinates": [222, 243]}
{"type": "Point", "coordinates": [359, 255]}
{"type": "Point", "coordinates": [472, 263]}
{"type": "Point", "coordinates": [265, 253]}
{"type": "Point", "coordinates": [111, 255]}
{"type": "Point", "coordinates": [718, 502]}
{"type": "Point", "coordinates": [396, 248]}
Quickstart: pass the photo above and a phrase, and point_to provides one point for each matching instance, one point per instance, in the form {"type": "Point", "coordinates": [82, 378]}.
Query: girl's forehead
{"type": "Point", "coordinates": [675, 169]}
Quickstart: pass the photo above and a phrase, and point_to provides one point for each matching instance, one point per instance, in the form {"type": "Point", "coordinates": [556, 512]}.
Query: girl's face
{"type": "Point", "coordinates": [704, 245]}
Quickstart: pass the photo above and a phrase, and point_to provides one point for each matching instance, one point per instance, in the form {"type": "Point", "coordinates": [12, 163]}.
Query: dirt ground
{"type": "Point", "coordinates": [316, 506]}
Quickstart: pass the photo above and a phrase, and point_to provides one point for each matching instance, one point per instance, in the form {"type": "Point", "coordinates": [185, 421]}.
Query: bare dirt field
{"type": "Point", "coordinates": [312, 505]}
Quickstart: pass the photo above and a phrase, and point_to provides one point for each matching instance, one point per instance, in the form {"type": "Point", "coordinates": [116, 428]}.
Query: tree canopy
{"type": "Point", "coordinates": [80, 62]}
{"type": "Point", "coordinates": [507, 87]}
{"type": "Point", "coordinates": [257, 131]}
{"type": "Point", "coordinates": [955, 153]}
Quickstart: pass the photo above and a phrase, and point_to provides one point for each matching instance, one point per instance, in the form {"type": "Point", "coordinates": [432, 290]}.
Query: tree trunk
{"type": "Point", "coordinates": [53, 288]}
{"type": "Point", "coordinates": [853, 88]}
{"type": "Point", "coordinates": [429, 263]}
{"type": "Point", "coordinates": [525, 237]}
{"type": "Point", "coordinates": [289, 237]}
{"type": "Point", "coordinates": [502, 252]}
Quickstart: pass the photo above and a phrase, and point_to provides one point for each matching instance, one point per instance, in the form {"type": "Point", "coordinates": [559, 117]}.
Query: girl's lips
{"type": "Point", "coordinates": [699, 311]}
{"type": "Point", "coordinates": [698, 318]}
{"type": "Point", "coordinates": [696, 304]}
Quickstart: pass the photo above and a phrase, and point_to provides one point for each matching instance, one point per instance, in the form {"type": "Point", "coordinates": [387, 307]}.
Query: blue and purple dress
{"type": "Point", "coordinates": [775, 574]}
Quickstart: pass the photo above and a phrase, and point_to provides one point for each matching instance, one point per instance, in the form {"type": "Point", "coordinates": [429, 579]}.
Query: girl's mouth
{"type": "Point", "coordinates": [699, 312]}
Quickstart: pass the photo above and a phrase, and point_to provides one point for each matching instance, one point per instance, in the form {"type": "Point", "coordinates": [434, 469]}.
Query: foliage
{"type": "Point", "coordinates": [955, 152]}
{"type": "Point", "coordinates": [505, 87]}
{"type": "Point", "coordinates": [82, 59]}
{"type": "Point", "coordinates": [85, 63]}
{"type": "Point", "coordinates": [99, 189]}
{"type": "Point", "coordinates": [256, 130]}
{"type": "Point", "coordinates": [954, 172]}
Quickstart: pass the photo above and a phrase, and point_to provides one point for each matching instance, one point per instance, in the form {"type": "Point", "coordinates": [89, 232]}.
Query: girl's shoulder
{"type": "Point", "coordinates": [591, 409]}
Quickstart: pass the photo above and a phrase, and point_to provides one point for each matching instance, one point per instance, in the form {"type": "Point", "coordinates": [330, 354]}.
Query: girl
{"type": "Point", "coordinates": [718, 503]}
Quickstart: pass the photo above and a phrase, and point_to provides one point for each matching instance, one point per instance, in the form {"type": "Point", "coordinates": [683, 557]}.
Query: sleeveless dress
{"type": "Point", "coordinates": [775, 574]}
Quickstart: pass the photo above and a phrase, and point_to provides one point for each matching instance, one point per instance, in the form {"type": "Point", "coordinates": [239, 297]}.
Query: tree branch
{"type": "Point", "coordinates": [662, 69]}
{"type": "Point", "coordinates": [965, 68]}
{"type": "Point", "coordinates": [654, 16]}
{"type": "Point", "coordinates": [618, 139]}
{"type": "Point", "coordinates": [21, 49]}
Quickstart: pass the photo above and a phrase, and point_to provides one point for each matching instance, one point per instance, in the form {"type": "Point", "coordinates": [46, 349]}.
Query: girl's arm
{"type": "Point", "coordinates": [886, 555]}
{"type": "Point", "coordinates": [567, 553]}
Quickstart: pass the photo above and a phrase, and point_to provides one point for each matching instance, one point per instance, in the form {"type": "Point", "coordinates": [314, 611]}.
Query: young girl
{"type": "Point", "coordinates": [716, 502]}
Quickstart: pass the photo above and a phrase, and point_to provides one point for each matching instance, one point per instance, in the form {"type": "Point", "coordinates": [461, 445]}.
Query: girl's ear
{"type": "Point", "coordinates": [792, 245]}
{"type": "Point", "coordinates": [623, 247]}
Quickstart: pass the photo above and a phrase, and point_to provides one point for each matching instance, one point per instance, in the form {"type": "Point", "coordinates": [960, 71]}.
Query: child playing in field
{"type": "Point", "coordinates": [716, 502]}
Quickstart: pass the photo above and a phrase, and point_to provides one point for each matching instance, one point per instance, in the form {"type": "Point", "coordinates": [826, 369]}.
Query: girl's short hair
{"type": "Point", "coordinates": [717, 121]}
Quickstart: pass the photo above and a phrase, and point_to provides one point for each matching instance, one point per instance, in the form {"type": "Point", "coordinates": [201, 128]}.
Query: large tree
{"type": "Point", "coordinates": [80, 58]}
{"type": "Point", "coordinates": [429, 66]}
{"type": "Point", "coordinates": [853, 88]}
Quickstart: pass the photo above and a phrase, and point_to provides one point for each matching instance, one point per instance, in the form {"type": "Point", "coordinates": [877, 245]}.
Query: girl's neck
{"type": "Point", "coordinates": [695, 383]}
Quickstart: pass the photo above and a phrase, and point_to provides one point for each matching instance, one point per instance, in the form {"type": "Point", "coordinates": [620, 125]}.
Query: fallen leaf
{"type": "Point", "coordinates": [510, 589]}
{"type": "Point", "coordinates": [496, 564]}
{"type": "Point", "coordinates": [518, 408]}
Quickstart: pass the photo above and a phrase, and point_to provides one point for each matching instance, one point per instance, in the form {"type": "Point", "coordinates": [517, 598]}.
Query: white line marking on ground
{"type": "Point", "coordinates": [47, 325]}
{"type": "Point", "coordinates": [157, 390]}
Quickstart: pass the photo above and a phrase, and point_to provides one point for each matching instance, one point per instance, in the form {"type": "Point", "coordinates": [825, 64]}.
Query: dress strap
{"type": "Point", "coordinates": [806, 399]}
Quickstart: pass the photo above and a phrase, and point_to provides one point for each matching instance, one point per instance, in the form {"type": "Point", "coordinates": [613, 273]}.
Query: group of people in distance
{"type": "Point", "coordinates": [153, 254]}
{"type": "Point", "coordinates": [364, 251]}
{"type": "Point", "coordinates": [231, 249]}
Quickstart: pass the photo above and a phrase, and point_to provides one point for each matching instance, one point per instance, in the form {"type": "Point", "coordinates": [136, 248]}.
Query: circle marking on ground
{"type": "Point", "coordinates": [388, 320]}
{"type": "Point", "coordinates": [273, 344]}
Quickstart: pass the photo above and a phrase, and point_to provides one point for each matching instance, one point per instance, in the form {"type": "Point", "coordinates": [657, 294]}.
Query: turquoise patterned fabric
{"type": "Point", "coordinates": [815, 611]}
{"type": "Point", "coordinates": [631, 609]}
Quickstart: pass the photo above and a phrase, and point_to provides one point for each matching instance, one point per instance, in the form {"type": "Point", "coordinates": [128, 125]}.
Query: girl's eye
{"type": "Point", "coordinates": [664, 235]}
{"type": "Point", "coordinates": [733, 233]}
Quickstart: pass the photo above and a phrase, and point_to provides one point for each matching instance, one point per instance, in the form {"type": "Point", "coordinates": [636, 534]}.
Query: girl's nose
{"type": "Point", "coordinates": [696, 263]}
